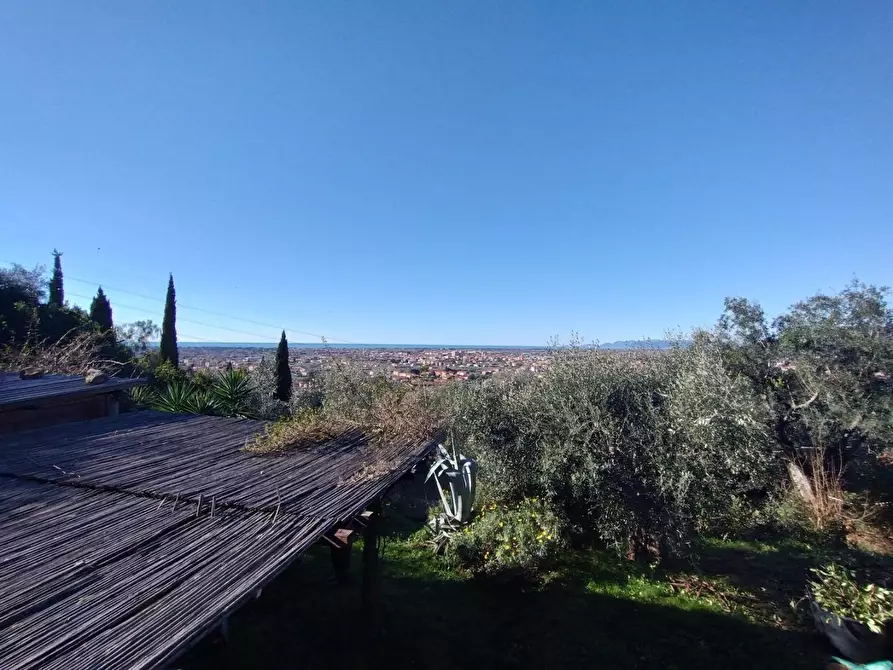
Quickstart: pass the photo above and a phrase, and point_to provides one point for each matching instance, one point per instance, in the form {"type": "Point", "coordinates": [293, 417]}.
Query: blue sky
{"type": "Point", "coordinates": [448, 172]}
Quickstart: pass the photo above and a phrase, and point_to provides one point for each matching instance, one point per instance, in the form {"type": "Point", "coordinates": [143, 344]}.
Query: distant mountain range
{"type": "Point", "coordinates": [637, 344]}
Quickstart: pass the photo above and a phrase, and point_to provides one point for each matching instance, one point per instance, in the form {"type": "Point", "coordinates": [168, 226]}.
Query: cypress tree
{"type": "Point", "coordinates": [101, 311]}
{"type": "Point", "coordinates": [169, 327]}
{"type": "Point", "coordinates": [283, 371]}
{"type": "Point", "coordinates": [57, 293]}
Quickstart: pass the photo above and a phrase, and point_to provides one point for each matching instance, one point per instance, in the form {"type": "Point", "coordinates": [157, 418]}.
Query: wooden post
{"type": "Point", "coordinates": [112, 405]}
{"type": "Point", "coordinates": [340, 546]}
{"type": "Point", "coordinates": [371, 576]}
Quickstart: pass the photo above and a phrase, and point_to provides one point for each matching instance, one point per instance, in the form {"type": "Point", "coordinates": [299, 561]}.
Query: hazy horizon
{"type": "Point", "coordinates": [190, 344]}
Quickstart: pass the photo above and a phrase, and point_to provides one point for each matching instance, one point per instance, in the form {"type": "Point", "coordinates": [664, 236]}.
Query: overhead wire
{"type": "Point", "coordinates": [208, 311]}
{"type": "Point", "coordinates": [322, 337]}
{"type": "Point", "coordinates": [179, 318]}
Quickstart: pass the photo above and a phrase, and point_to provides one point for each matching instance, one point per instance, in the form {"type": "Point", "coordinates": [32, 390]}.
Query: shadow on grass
{"type": "Point", "coordinates": [777, 573]}
{"type": "Point", "coordinates": [433, 619]}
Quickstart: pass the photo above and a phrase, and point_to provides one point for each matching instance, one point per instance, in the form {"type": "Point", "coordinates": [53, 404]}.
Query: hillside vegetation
{"type": "Point", "coordinates": [706, 477]}
{"type": "Point", "coordinates": [727, 467]}
{"type": "Point", "coordinates": [745, 429]}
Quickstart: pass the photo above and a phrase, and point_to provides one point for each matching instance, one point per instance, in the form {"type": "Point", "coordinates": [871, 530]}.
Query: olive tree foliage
{"type": "Point", "coordinates": [18, 283]}
{"type": "Point", "coordinates": [634, 450]}
{"type": "Point", "coordinates": [823, 368]}
{"type": "Point", "coordinates": [264, 403]}
{"type": "Point", "coordinates": [27, 319]}
{"type": "Point", "coordinates": [383, 407]}
{"type": "Point", "coordinates": [21, 291]}
{"type": "Point", "coordinates": [136, 335]}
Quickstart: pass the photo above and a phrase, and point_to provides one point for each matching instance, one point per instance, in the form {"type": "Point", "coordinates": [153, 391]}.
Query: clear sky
{"type": "Point", "coordinates": [448, 172]}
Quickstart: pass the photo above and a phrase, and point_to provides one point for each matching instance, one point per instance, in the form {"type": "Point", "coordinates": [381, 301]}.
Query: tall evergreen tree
{"type": "Point", "coordinates": [169, 327]}
{"type": "Point", "coordinates": [101, 310]}
{"type": "Point", "coordinates": [283, 371]}
{"type": "Point", "coordinates": [57, 293]}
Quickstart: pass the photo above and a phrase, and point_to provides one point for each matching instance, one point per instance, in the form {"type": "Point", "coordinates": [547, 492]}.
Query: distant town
{"type": "Point", "coordinates": [423, 365]}
{"type": "Point", "coordinates": [412, 363]}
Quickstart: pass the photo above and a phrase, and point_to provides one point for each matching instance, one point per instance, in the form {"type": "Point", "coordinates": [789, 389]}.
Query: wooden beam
{"type": "Point", "coordinates": [371, 571]}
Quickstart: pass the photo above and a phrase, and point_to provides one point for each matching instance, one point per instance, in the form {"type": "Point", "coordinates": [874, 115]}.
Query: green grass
{"type": "Point", "coordinates": [593, 610]}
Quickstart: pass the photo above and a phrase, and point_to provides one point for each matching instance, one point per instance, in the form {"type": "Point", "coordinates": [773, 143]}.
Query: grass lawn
{"type": "Point", "coordinates": [730, 610]}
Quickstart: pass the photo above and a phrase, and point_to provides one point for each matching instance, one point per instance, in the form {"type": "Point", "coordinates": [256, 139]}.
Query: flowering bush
{"type": "Point", "coordinates": [523, 536]}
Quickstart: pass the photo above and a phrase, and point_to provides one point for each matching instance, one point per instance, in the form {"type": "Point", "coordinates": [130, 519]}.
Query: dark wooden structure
{"type": "Point", "coordinates": [54, 399]}
{"type": "Point", "coordinates": [123, 540]}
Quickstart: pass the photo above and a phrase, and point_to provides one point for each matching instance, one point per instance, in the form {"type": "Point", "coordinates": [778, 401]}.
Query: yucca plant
{"type": "Point", "coordinates": [143, 396]}
{"type": "Point", "coordinates": [202, 402]}
{"type": "Point", "coordinates": [231, 393]}
{"type": "Point", "coordinates": [177, 397]}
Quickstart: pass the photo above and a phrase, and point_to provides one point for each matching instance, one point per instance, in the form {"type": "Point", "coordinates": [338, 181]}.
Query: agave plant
{"type": "Point", "coordinates": [456, 479]}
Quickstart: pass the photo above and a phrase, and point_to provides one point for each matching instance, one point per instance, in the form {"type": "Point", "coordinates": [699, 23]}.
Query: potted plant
{"type": "Point", "coordinates": [854, 618]}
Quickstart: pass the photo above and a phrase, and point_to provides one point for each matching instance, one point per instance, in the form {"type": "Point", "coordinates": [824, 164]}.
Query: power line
{"type": "Point", "coordinates": [146, 311]}
{"type": "Point", "coordinates": [200, 323]}
{"type": "Point", "coordinates": [208, 311]}
{"type": "Point", "coordinates": [199, 309]}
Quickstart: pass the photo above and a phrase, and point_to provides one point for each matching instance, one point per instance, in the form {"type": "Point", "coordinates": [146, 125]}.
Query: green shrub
{"type": "Point", "coordinates": [524, 536]}
{"type": "Point", "coordinates": [203, 379]}
{"type": "Point", "coordinates": [634, 450]}
{"type": "Point", "coordinates": [165, 373]}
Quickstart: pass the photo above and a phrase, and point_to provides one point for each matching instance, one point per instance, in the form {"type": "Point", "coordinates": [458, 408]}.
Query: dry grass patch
{"type": "Point", "coordinates": [306, 429]}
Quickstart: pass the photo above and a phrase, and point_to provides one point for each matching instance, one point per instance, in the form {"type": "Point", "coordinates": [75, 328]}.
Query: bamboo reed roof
{"type": "Point", "coordinates": [123, 540]}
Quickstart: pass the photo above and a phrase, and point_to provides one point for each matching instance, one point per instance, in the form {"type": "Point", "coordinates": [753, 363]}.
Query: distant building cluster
{"type": "Point", "coordinates": [417, 366]}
